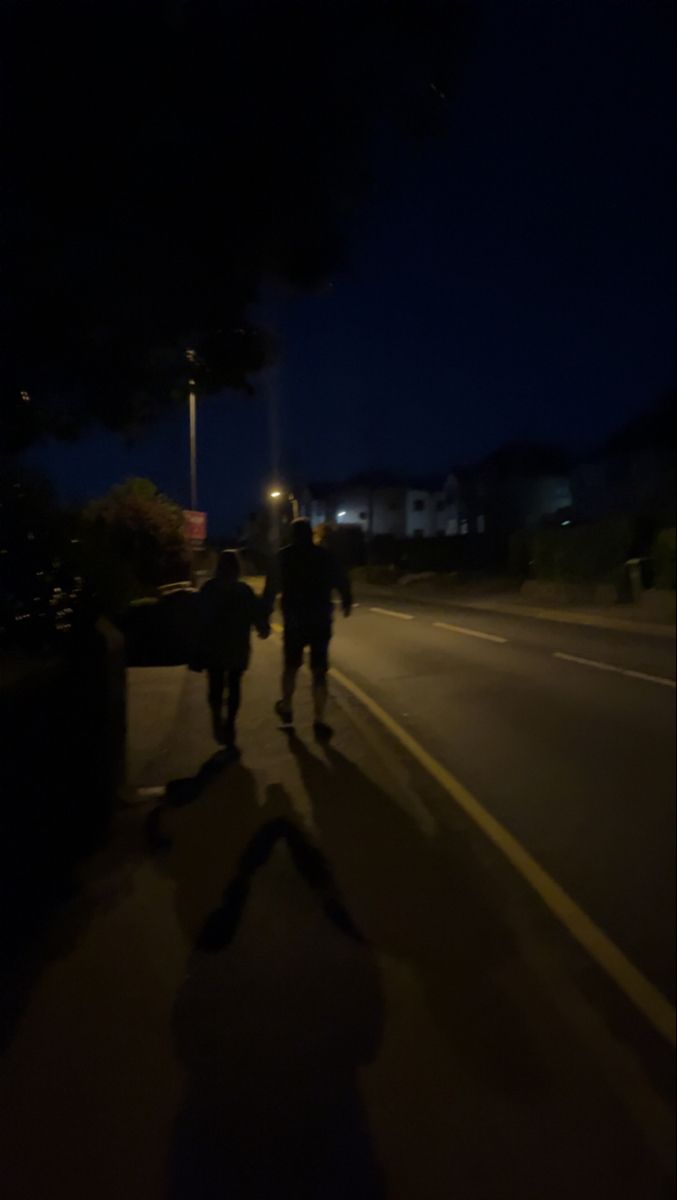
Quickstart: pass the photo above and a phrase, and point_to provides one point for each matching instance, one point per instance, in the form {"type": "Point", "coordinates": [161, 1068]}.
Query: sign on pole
{"type": "Point", "coordinates": [195, 525]}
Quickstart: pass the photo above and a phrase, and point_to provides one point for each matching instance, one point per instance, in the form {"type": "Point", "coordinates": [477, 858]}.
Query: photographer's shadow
{"type": "Point", "coordinates": [281, 1007]}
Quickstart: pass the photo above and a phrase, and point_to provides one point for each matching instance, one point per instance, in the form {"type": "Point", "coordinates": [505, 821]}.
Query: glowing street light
{"type": "Point", "coordinates": [280, 493]}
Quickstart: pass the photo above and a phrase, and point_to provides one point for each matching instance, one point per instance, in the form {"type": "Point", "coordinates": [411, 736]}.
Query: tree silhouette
{"type": "Point", "coordinates": [164, 159]}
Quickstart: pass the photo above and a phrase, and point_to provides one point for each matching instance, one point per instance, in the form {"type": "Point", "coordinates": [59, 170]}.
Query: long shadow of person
{"type": "Point", "coordinates": [197, 833]}
{"type": "Point", "coordinates": [180, 792]}
{"type": "Point", "coordinates": [280, 1007]}
{"type": "Point", "coordinates": [424, 900]}
{"type": "Point", "coordinates": [504, 1061]}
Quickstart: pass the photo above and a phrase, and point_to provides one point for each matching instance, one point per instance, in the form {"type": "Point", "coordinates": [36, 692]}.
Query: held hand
{"type": "Point", "coordinates": [347, 609]}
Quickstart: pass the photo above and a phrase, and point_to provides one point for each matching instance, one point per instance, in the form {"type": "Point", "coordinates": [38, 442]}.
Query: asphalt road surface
{"type": "Point", "coordinates": [308, 975]}
{"type": "Point", "coordinates": [564, 733]}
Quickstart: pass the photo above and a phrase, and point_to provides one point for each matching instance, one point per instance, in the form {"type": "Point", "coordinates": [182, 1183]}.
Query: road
{"type": "Point", "coordinates": [564, 733]}
{"type": "Point", "coordinates": [310, 975]}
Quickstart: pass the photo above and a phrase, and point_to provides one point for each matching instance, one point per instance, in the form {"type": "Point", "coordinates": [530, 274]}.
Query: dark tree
{"type": "Point", "coordinates": [164, 158]}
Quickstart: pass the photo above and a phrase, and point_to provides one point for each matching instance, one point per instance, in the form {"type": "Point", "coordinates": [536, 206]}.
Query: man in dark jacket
{"type": "Point", "coordinates": [306, 575]}
{"type": "Point", "coordinates": [227, 611]}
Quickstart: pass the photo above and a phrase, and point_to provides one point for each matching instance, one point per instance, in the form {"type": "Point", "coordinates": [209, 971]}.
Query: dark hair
{"type": "Point", "coordinates": [228, 566]}
{"type": "Point", "coordinates": [301, 532]}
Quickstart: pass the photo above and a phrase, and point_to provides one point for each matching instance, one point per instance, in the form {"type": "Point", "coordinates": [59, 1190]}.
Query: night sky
{"type": "Point", "coordinates": [513, 278]}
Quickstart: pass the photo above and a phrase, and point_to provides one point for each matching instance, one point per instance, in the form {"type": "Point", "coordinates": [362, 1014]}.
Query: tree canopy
{"type": "Point", "coordinates": [164, 158]}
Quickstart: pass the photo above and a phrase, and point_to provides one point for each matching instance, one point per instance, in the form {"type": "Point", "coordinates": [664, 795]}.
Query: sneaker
{"type": "Point", "coordinates": [285, 714]}
{"type": "Point", "coordinates": [322, 731]}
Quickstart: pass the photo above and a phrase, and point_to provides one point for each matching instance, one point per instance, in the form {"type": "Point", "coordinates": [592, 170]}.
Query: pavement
{"type": "Point", "coordinates": [312, 974]}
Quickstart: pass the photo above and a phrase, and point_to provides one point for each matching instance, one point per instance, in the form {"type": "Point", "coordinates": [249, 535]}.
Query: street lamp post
{"type": "Point", "coordinates": [192, 423]}
{"type": "Point", "coordinates": [276, 495]}
{"type": "Point", "coordinates": [192, 428]}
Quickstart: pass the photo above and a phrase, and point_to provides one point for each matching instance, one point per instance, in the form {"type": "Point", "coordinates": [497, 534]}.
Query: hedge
{"type": "Point", "coordinates": [577, 553]}
{"type": "Point", "coordinates": [663, 555]}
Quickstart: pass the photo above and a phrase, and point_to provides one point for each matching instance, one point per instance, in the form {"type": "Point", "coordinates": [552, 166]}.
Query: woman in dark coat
{"type": "Point", "coordinates": [227, 611]}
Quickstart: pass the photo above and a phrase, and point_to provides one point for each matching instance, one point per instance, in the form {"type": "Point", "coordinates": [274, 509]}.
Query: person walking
{"type": "Point", "coordinates": [306, 575]}
{"type": "Point", "coordinates": [227, 611]}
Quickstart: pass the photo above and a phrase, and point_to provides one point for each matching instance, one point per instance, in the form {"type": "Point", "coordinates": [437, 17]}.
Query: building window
{"type": "Point", "coordinates": [441, 505]}
{"type": "Point", "coordinates": [363, 516]}
{"type": "Point", "coordinates": [418, 533]}
{"type": "Point", "coordinates": [419, 505]}
{"type": "Point", "coordinates": [481, 523]}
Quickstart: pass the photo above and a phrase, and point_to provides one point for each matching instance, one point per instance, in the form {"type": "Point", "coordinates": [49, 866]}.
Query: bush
{"type": "Point", "coordinates": [133, 541]}
{"type": "Point", "coordinates": [584, 553]}
{"type": "Point", "coordinates": [663, 556]}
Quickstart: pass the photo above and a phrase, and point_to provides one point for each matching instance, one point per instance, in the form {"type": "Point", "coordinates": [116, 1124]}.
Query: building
{"type": "Point", "coordinates": [633, 473]}
{"type": "Point", "coordinates": [381, 506]}
{"type": "Point", "coordinates": [517, 487]}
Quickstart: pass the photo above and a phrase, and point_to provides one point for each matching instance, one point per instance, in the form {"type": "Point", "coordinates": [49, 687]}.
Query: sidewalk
{"type": "Point", "coordinates": [306, 976]}
{"type": "Point", "coordinates": [625, 618]}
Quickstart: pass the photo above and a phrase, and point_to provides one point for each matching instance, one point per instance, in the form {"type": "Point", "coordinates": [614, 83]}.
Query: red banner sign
{"type": "Point", "coordinates": [195, 525]}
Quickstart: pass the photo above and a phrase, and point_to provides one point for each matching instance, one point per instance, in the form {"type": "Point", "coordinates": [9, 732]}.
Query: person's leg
{"type": "Point", "coordinates": [292, 660]}
{"type": "Point", "coordinates": [319, 665]}
{"type": "Point", "coordinates": [234, 697]}
{"type": "Point", "coordinates": [215, 677]}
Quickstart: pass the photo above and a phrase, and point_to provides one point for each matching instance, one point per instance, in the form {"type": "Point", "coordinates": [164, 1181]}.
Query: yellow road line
{"type": "Point", "coordinates": [602, 666]}
{"type": "Point", "coordinates": [487, 637]}
{"type": "Point", "coordinates": [639, 990]}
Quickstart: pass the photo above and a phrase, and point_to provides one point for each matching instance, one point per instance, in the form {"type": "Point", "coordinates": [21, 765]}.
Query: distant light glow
{"type": "Point", "coordinates": [275, 495]}
{"type": "Point", "coordinates": [343, 513]}
{"type": "Point", "coordinates": [566, 522]}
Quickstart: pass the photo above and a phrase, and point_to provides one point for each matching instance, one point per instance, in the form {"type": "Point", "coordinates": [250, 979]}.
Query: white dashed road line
{"type": "Point", "coordinates": [387, 612]}
{"type": "Point", "coordinates": [487, 637]}
{"type": "Point", "coordinates": [601, 666]}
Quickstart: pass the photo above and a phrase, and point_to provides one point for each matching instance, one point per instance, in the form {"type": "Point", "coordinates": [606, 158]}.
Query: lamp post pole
{"type": "Point", "coordinates": [192, 429]}
{"type": "Point", "coordinates": [192, 424]}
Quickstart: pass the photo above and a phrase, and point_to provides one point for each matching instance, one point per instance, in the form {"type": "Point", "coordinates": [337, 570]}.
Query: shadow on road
{"type": "Point", "coordinates": [180, 792]}
{"type": "Point", "coordinates": [482, 1088]}
{"type": "Point", "coordinates": [280, 1008]}
{"type": "Point", "coordinates": [517, 1091]}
